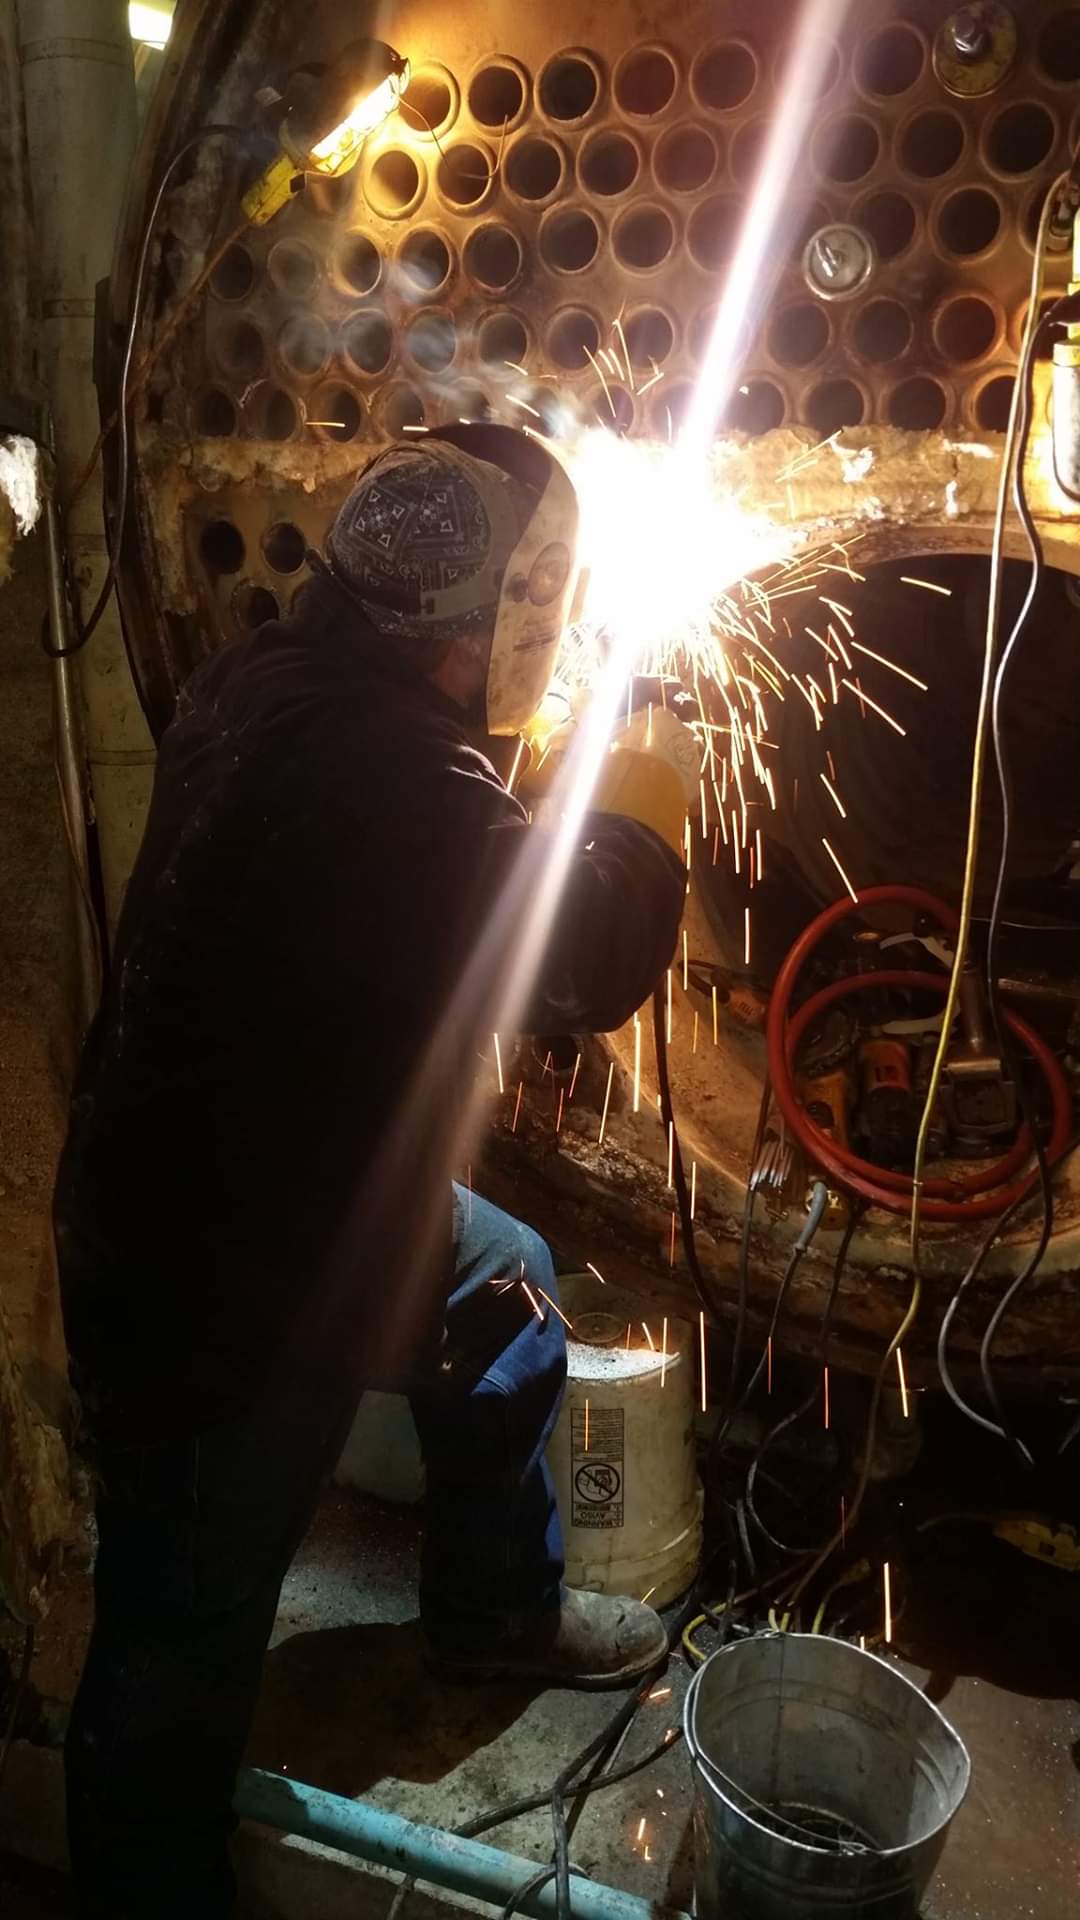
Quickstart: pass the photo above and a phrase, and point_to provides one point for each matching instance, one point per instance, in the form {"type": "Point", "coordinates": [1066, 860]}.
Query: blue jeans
{"type": "Point", "coordinates": [195, 1540]}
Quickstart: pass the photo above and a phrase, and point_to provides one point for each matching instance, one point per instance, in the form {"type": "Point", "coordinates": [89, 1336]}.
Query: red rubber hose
{"type": "Point", "coordinates": [878, 1185]}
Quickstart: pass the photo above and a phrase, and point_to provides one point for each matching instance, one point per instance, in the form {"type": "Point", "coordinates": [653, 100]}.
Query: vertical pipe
{"type": "Point", "coordinates": [18, 386]}
{"type": "Point", "coordinates": [79, 92]}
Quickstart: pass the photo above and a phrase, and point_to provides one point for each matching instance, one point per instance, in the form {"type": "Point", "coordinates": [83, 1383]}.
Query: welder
{"type": "Point", "coordinates": [254, 1211]}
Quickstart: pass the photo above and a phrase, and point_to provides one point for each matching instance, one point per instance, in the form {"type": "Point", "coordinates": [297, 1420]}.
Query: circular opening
{"type": "Point", "coordinates": [254, 606]}
{"type": "Point", "coordinates": [569, 87]}
{"type": "Point", "coordinates": [274, 414]}
{"type": "Point", "coordinates": [754, 408]}
{"type": "Point", "coordinates": [284, 547]}
{"type": "Point", "coordinates": [402, 409]}
{"type": "Point", "coordinates": [472, 404]}
{"type": "Point", "coordinates": [337, 413]}
{"type": "Point", "coordinates": [848, 148]}
{"type": "Point", "coordinates": [393, 183]}
{"type": "Point", "coordinates": [799, 334]}
{"type": "Point", "coordinates": [746, 150]}
{"type": "Point", "coordinates": [329, 197]}
{"type": "Point", "coordinates": [644, 81]}
{"type": "Point", "coordinates": [834, 404]}
{"type": "Point", "coordinates": [502, 340]}
{"type": "Point", "coordinates": [496, 96]}
{"type": "Point", "coordinates": [234, 275]}
{"type": "Point", "coordinates": [221, 547]}
{"type": "Point", "coordinates": [917, 404]}
{"type": "Point", "coordinates": [612, 407]}
{"type": "Point", "coordinates": [992, 403]}
{"type": "Point", "coordinates": [573, 335]}
{"type": "Point", "coordinates": [293, 268]}
{"type": "Point", "coordinates": [1021, 138]}
{"type": "Point", "coordinates": [242, 350]}
{"type": "Point", "coordinates": [650, 337]}
{"type": "Point", "coordinates": [932, 143]}
{"type": "Point", "coordinates": [882, 331]}
{"type": "Point", "coordinates": [685, 159]}
{"type": "Point", "coordinates": [965, 330]}
{"type": "Point", "coordinates": [493, 257]}
{"type": "Point", "coordinates": [554, 414]}
{"type": "Point", "coordinates": [368, 341]}
{"type": "Point", "coordinates": [304, 344]}
{"type": "Point", "coordinates": [669, 409]}
{"type": "Point", "coordinates": [712, 231]}
{"type": "Point", "coordinates": [425, 260]}
{"type": "Point", "coordinates": [428, 101]}
{"type": "Point", "coordinates": [889, 219]}
{"type": "Point", "coordinates": [464, 174]}
{"type": "Point", "coordinates": [890, 61]}
{"type": "Point", "coordinates": [570, 241]}
{"type": "Point", "coordinates": [724, 76]}
{"type": "Point", "coordinates": [534, 168]}
{"type": "Point", "coordinates": [360, 264]}
{"type": "Point", "coordinates": [432, 341]}
{"type": "Point", "coordinates": [642, 238]}
{"type": "Point", "coordinates": [1059, 47]}
{"type": "Point", "coordinates": [969, 221]}
{"type": "Point", "coordinates": [215, 414]}
{"type": "Point", "coordinates": [609, 163]}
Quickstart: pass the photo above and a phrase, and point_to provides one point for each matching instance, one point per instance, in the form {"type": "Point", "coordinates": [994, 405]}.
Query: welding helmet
{"type": "Point", "coordinates": [468, 530]}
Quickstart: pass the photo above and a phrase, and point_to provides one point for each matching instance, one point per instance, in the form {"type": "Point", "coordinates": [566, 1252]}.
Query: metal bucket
{"type": "Point", "coordinates": [824, 1782]}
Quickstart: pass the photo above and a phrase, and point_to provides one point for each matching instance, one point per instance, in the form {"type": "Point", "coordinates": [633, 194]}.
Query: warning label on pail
{"type": "Point", "coordinates": [596, 1466]}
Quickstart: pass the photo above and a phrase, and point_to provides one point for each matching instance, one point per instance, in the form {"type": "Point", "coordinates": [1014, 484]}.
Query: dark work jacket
{"type": "Point", "coordinates": [269, 1106]}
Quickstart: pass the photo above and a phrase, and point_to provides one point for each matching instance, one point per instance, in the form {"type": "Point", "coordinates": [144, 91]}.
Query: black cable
{"type": "Point", "coordinates": [534, 1885]}
{"type": "Point", "coordinates": [17, 1700]}
{"type": "Point", "coordinates": [678, 1171]}
{"type": "Point", "coordinates": [86, 630]}
{"type": "Point", "coordinates": [531, 1803]}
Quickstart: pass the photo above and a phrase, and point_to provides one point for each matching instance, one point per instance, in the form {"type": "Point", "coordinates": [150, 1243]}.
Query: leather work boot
{"type": "Point", "coordinates": [594, 1641]}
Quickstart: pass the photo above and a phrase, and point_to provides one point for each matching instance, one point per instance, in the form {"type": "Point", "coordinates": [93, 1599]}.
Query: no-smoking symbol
{"type": "Point", "coordinates": [598, 1483]}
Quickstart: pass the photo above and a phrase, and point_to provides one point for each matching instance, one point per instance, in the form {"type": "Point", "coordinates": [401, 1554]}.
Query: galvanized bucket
{"type": "Point", "coordinates": [824, 1782]}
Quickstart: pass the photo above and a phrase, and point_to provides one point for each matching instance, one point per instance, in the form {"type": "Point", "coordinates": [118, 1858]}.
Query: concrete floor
{"type": "Point", "coordinates": [346, 1705]}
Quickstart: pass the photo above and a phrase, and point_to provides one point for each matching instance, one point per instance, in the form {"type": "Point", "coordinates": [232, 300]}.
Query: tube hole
{"type": "Point", "coordinates": [969, 221]}
{"type": "Point", "coordinates": [432, 341]}
{"type": "Point", "coordinates": [493, 257]}
{"type": "Point", "coordinates": [534, 168]}
{"type": "Point", "coordinates": [612, 407]}
{"type": "Point", "coordinates": [234, 275]}
{"type": "Point", "coordinates": [883, 331]}
{"type": "Point", "coordinates": [834, 404]}
{"type": "Point", "coordinates": [368, 341]}
{"type": "Point", "coordinates": [254, 606]}
{"type": "Point", "coordinates": [293, 268]}
{"type": "Point", "coordinates": [569, 87]}
{"type": "Point", "coordinates": [890, 62]}
{"type": "Point", "coordinates": [425, 260]}
{"type": "Point", "coordinates": [304, 344]}
{"type": "Point", "coordinates": [242, 350]}
{"type": "Point", "coordinates": [464, 174]}
{"type": "Point", "coordinates": [496, 96]}
{"type": "Point", "coordinates": [472, 404]}
{"type": "Point", "coordinates": [724, 76]}
{"type": "Point", "coordinates": [555, 416]}
{"type": "Point", "coordinates": [650, 337]}
{"type": "Point", "coordinates": [502, 340]}
{"type": "Point", "coordinates": [402, 408]}
{"type": "Point", "coordinates": [215, 414]}
{"type": "Point", "coordinates": [393, 183]}
{"type": "Point", "coordinates": [274, 415]}
{"type": "Point", "coordinates": [918, 404]}
{"type": "Point", "coordinates": [712, 231]}
{"type": "Point", "coordinates": [570, 241]}
{"type": "Point", "coordinates": [221, 547]}
{"type": "Point", "coordinates": [609, 164]}
{"type": "Point", "coordinates": [337, 413]}
{"type": "Point", "coordinates": [799, 334]}
{"type": "Point", "coordinates": [329, 197]}
{"type": "Point", "coordinates": [642, 238]}
{"type": "Point", "coordinates": [932, 143]}
{"type": "Point", "coordinates": [993, 402]}
{"type": "Point", "coordinates": [360, 264]}
{"type": "Point", "coordinates": [284, 547]}
{"type": "Point", "coordinates": [755, 408]}
{"type": "Point", "coordinates": [848, 148]}
{"type": "Point", "coordinates": [574, 334]}
{"type": "Point", "coordinates": [644, 81]}
{"type": "Point", "coordinates": [1021, 138]}
{"type": "Point", "coordinates": [746, 150]}
{"type": "Point", "coordinates": [685, 159]}
{"type": "Point", "coordinates": [965, 330]}
{"type": "Point", "coordinates": [428, 102]}
{"type": "Point", "coordinates": [669, 409]}
{"type": "Point", "coordinates": [1059, 47]}
{"type": "Point", "coordinates": [889, 219]}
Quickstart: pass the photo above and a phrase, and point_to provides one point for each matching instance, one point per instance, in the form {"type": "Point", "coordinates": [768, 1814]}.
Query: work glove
{"type": "Point", "coordinates": [651, 775]}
